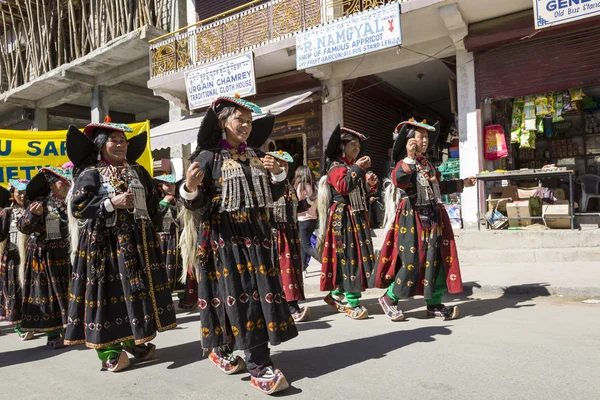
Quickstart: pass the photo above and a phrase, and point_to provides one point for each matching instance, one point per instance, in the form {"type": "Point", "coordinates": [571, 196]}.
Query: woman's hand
{"type": "Point", "coordinates": [411, 148]}
{"type": "Point", "coordinates": [271, 164]}
{"type": "Point", "coordinates": [37, 209]}
{"type": "Point", "coordinates": [470, 181]}
{"type": "Point", "coordinates": [169, 199]}
{"type": "Point", "coordinates": [122, 201]}
{"type": "Point", "coordinates": [364, 162]}
{"type": "Point", "coordinates": [193, 177]}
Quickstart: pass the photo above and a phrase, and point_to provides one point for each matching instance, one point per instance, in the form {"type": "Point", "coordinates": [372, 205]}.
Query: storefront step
{"type": "Point", "coordinates": [528, 255]}
{"type": "Point", "coordinates": [523, 240]}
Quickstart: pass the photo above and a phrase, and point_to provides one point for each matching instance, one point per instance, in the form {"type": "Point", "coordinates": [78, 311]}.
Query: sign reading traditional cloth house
{"type": "Point", "coordinates": [228, 77]}
{"type": "Point", "coordinates": [359, 34]}
{"type": "Point", "coordinates": [554, 12]}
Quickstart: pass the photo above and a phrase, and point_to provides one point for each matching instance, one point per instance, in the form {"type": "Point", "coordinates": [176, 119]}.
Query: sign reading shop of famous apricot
{"type": "Point", "coordinates": [353, 36]}
{"type": "Point", "coordinates": [228, 77]}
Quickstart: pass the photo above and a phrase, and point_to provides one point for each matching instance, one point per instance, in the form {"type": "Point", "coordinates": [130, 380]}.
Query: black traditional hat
{"type": "Point", "coordinates": [333, 148]}
{"type": "Point", "coordinates": [209, 133]}
{"type": "Point", "coordinates": [5, 197]}
{"type": "Point", "coordinates": [39, 185]}
{"type": "Point", "coordinates": [403, 129]}
{"type": "Point", "coordinates": [81, 145]}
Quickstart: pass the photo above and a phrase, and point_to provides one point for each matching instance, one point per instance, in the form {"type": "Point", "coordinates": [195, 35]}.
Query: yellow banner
{"type": "Point", "coordinates": [23, 153]}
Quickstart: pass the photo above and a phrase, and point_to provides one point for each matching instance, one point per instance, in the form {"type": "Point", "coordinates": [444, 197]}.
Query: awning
{"type": "Point", "coordinates": [184, 131]}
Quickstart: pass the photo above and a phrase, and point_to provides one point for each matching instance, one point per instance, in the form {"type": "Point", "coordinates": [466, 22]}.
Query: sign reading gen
{"type": "Point", "coordinates": [353, 36]}
{"type": "Point", "coordinates": [234, 75]}
{"type": "Point", "coordinates": [554, 12]}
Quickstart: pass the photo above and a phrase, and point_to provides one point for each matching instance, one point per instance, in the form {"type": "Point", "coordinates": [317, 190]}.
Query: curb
{"type": "Point", "coordinates": [536, 290]}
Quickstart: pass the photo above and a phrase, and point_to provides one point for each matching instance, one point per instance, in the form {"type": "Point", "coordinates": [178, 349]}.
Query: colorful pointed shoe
{"type": "Point", "coordinates": [443, 312]}
{"type": "Point", "coordinates": [358, 312]}
{"type": "Point", "coordinates": [56, 343]}
{"type": "Point", "coordinates": [335, 302]}
{"type": "Point", "coordinates": [270, 381]}
{"type": "Point", "coordinates": [141, 352]}
{"type": "Point", "coordinates": [116, 364]}
{"type": "Point", "coordinates": [228, 363]}
{"type": "Point", "coordinates": [25, 336]}
{"type": "Point", "coordinates": [302, 315]}
{"type": "Point", "coordinates": [390, 308]}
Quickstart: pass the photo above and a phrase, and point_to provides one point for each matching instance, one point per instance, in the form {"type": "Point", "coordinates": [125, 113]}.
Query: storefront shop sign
{"type": "Point", "coordinates": [360, 34]}
{"type": "Point", "coordinates": [554, 12]}
{"type": "Point", "coordinates": [228, 77]}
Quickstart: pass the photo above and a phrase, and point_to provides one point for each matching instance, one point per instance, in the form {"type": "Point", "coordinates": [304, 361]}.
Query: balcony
{"type": "Point", "coordinates": [246, 28]}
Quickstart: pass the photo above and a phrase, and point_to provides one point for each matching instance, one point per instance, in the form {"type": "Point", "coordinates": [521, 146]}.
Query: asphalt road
{"type": "Point", "coordinates": [501, 348]}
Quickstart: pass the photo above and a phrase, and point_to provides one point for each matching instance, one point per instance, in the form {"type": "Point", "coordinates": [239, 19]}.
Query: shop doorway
{"type": "Point", "coordinates": [293, 144]}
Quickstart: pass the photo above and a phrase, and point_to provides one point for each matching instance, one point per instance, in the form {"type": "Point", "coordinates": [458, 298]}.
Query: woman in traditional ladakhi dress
{"type": "Point", "coordinates": [242, 304]}
{"type": "Point", "coordinates": [169, 234]}
{"type": "Point", "coordinates": [119, 296]}
{"type": "Point", "coordinates": [285, 217]}
{"type": "Point", "coordinates": [47, 266]}
{"type": "Point", "coordinates": [419, 255]}
{"type": "Point", "coordinates": [13, 207]}
{"type": "Point", "coordinates": [344, 232]}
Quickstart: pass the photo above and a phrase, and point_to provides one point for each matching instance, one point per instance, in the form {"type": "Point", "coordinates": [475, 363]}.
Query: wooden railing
{"type": "Point", "coordinates": [246, 27]}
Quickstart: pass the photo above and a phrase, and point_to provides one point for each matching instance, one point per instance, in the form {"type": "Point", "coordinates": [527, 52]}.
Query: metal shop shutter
{"type": "Point", "coordinates": [535, 65]}
{"type": "Point", "coordinates": [376, 119]}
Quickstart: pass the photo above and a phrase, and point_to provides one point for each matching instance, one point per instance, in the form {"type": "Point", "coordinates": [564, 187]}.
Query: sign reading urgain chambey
{"type": "Point", "coordinates": [228, 77]}
{"type": "Point", "coordinates": [360, 34]}
{"type": "Point", "coordinates": [554, 12]}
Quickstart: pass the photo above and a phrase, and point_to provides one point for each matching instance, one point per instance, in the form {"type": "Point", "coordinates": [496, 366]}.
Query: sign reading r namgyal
{"type": "Point", "coordinates": [553, 12]}
{"type": "Point", "coordinates": [363, 33]}
{"type": "Point", "coordinates": [228, 77]}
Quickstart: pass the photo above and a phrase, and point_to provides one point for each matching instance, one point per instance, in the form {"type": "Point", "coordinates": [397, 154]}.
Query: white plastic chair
{"type": "Point", "coordinates": [590, 189]}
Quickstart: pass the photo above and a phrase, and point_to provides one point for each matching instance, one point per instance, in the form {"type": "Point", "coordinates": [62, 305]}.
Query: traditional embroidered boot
{"type": "Point", "coordinates": [269, 381]}
{"type": "Point", "coordinates": [390, 308]}
{"type": "Point", "coordinates": [227, 362]}
{"type": "Point", "coordinates": [358, 312]}
{"type": "Point", "coordinates": [442, 312]}
{"type": "Point", "coordinates": [116, 364]}
{"type": "Point", "coordinates": [335, 302]}
{"type": "Point", "coordinates": [301, 315]}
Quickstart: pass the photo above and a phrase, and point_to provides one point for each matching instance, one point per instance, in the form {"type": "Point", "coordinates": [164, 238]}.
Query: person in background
{"type": "Point", "coordinates": [12, 250]}
{"type": "Point", "coordinates": [285, 230]}
{"type": "Point", "coordinates": [169, 244]}
{"type": "Point", "coordinates": [373, 199]}
{"type": "Point", "coordinates": [47, 268]}
{"type": "Point", "coordinates": [344, 232]}
{"type": "Point", "coordinates": [306, 190]}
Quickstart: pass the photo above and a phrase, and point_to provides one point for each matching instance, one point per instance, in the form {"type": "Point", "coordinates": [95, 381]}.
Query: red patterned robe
{"type": "Point", "coordinates": [348, 258]}
{"type": "Point", "coordinates": [288, 246]}
{"type": "Point", "coordinates": [420, 241]}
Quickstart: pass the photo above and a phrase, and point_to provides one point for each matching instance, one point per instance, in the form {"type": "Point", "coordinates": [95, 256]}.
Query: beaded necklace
{"type": "Point", "coordinates": [428, 186]}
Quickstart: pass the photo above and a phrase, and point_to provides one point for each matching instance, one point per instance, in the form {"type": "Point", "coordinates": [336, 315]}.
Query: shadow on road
{"type": "Point", "coordinates": [314, 362]}
{"type": "Point", "coordinates": [512, 298]}
{"type": "Point", "coordinates": [39, 352]}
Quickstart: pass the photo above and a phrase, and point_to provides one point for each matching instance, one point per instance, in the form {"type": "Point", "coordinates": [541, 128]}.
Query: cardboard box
{"type": "Point", "coordinates": [558, 209]}
{"type": "Point", "coordinates": [519, 209]}
{"type": "Point", "coordinates": [501, 192]}
{"type": "Point", "coordinates": [526, 192]}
